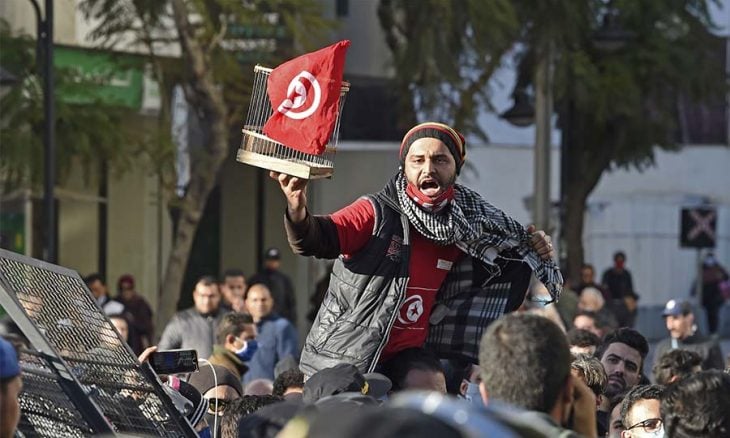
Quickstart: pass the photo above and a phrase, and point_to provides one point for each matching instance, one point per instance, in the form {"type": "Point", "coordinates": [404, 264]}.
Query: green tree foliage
{"type": "Point", "coordinates": [444, 53]}
{"type": "Point", "coordinates": [86, 134]}
{"type": "Point", "coordinates": [615, 106]}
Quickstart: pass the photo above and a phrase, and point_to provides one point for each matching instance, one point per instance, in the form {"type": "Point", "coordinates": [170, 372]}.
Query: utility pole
{"type": "Point", "coordinates": [543, 113]}
{"type": "Point", "coordinates": [44, 61]}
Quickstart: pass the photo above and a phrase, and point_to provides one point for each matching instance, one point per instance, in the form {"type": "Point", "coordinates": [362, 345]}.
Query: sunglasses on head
{"type": "Point", "coordinates": [650, 425]}
{"type": "Point", "coordinates": [217, 404]}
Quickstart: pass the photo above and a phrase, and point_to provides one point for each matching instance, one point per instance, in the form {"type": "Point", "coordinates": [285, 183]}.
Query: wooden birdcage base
{"type": "Point", "coordinates": [298, 168]}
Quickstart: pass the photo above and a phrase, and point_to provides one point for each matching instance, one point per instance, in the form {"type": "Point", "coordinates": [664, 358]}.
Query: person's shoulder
{"type": "Point", "coordinates": [661, 347]}
{"type": "Point", "coordinates": [113, 307]}
{"type": "Point", "coordinates": [186, 314]}
{"type": "Point", "coordinates": [279, 320]}
{"type": "Point", "coordinates": [544, 423]}
{"type": "Point", "coordinates": [142, 301]}
{"type": "Point", "coordinates": [281, 323]}
{"type": "Point", "coordinates": [259, 277]}
{"type": "Point", "coordinates": [363, 206]}
{"type": "Point", "coordinates": [699, 339]}
{"type": "Point", "coordinates": [281, 275]}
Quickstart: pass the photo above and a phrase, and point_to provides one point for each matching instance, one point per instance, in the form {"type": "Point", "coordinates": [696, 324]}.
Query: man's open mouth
{"type": "Point", "coordinates": [430, 187]}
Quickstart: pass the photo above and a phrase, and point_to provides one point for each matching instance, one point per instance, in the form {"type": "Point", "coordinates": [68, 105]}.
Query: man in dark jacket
{"type": "Point", "coordinates": [683, 334]}
{"type": "Point", "coordinates": [426, 261]}
{"type": "Point", "coordinates": [141, 325]}
{"type": "Point", "coordinates": [618, 287]}
{"type": "Point", "coordinates": [282, 290]}
{"type": "Point", "coordinates": [195, 327]}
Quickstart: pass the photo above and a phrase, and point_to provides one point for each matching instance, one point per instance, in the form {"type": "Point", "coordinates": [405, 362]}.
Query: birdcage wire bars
{"type": "Point", "coordinates": [259, 150]}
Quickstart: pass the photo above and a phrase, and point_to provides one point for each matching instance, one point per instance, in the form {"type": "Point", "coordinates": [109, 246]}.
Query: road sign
{"type": "Point", "coordinates": [698, 227]}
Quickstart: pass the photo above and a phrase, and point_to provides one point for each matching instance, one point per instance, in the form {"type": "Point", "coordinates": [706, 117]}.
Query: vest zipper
{"type": "Point", "coordinates": [401, 299]}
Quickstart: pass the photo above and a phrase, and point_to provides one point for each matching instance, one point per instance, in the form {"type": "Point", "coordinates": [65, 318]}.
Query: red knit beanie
{"type": "Point", "coordinates": [448, 135]}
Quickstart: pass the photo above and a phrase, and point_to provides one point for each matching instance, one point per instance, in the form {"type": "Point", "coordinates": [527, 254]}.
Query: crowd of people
{"type": "Point", "coordinates": [442, 317]}
{"type": "Point", "coordinates": [529, 381]}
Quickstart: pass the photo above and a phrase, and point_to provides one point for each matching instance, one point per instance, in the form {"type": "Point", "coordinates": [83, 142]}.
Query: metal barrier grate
{"type": "Point", "coordinates": [63, 313]}
{"type": "Point", "coordinates": [46, 409]}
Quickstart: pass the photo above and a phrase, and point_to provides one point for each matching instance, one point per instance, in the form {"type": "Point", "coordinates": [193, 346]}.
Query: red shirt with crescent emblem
{"type": "Point", "coordinates": [429, 264]}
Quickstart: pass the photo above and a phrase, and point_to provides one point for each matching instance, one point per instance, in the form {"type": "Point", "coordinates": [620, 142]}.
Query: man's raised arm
{"type": "Point", "coordinates": [307, 235]}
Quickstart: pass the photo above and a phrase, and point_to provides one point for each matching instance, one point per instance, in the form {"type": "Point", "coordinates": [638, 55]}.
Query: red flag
{"type": "Point", "coordinates": [304, 94]}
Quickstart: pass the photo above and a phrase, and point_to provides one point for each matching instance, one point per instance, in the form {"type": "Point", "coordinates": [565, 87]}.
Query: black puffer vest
{"type": "Point", "coordinates": [363, 297]}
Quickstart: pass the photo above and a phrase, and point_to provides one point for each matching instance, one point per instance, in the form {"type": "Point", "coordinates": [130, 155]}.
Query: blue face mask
{"type": "Point", "coordinates": [205, 433]}
{"type": "Point", "coordinates": [249, 348]}
{"type": "Point", "coordinates": [473, 395]}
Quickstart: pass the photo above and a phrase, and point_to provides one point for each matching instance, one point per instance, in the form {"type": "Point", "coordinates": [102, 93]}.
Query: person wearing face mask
{"type": "Point", "coordinates": [470, 386]}
{"type": "Point", "coordinates": [619, 287]}
{"type": "Point", "coordinates": [462, 379]}
{"type": "Point", "coordinates": [235, 343]}
{"type": "Point", "coordinates": [424, 263]}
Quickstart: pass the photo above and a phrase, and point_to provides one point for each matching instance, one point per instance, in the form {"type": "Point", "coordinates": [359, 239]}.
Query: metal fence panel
{"type": "Point", "coordinates": [87, 359]}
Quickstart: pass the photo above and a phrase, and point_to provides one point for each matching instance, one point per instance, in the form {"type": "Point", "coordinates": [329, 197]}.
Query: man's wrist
{"type": "Point", "coordinates": [296, 215]}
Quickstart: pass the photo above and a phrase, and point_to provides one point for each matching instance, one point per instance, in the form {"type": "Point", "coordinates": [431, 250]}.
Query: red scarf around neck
{"type": "Point", "coordinates": [433, 205]}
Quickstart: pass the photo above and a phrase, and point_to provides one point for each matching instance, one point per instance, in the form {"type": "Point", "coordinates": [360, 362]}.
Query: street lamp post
{"type": "Point", "coordinates": [543, 113]}
{"type": "Point", "coordinates": [523, 114]}
{"type": "Point", "coordinates": [44, 59]}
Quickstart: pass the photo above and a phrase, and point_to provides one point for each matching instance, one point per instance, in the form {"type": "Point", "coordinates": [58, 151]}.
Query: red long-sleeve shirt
{"type": "Point", "coordinates": [429, 264]}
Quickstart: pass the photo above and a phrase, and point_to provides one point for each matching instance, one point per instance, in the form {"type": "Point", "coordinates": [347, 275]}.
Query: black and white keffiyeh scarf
{"type": "Point", "coordinates": [479, 229]}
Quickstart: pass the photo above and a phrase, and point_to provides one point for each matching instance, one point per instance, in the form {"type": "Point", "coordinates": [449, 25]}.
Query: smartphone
{"type": "Point", "coordinates": [174, 361]}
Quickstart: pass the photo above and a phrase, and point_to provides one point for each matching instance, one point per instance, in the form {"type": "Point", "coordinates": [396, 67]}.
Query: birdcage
{"type": "Point", "coordinates": [259, 150]}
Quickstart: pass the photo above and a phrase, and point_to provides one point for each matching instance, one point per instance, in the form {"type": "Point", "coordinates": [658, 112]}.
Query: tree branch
{"type": "Point", "coordinates": [218, 37]}
{"type": "Point", "coordinates": [202, 81]}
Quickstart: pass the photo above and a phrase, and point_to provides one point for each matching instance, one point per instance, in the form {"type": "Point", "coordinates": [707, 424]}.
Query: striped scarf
{"type": "Point", "coordinates": [480, 230]}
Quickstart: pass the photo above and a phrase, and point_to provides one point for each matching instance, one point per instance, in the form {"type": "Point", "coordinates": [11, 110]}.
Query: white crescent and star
{"type": "Point", "coordinates": [303, 89]}
{"type": "Point", "coordinates": [412, 309]}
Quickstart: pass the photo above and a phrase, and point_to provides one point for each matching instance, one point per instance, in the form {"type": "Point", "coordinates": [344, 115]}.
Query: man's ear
{"type": "Point", "coordinates": [566, 399]}
{"type": "Point", "coordinates": [484, 393]}
{"type": "Point", "coordinates": [463, 387]}
{"type": "Point", "coordinates": [568, 389]}
{"type": "Point", "coordinates": [230, 339]}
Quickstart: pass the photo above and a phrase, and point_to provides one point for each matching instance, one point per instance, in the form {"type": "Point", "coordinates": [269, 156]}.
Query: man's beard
{"type": "Point", "coordinates": [616, 384]}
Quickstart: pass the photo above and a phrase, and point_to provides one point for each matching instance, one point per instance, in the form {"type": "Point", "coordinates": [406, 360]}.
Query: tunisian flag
{"type": "Point", "coordinates": [304, 94]}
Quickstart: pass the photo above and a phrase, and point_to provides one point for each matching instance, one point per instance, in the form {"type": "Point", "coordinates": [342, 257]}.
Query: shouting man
{"type": "Point", "coordinates": [426, 260]}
